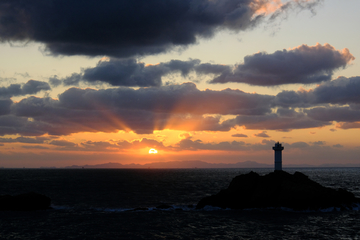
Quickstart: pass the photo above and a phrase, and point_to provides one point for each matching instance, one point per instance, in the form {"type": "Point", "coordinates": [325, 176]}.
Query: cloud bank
{"type": "Point", "coordinates": [129, 28]}
{"type": "Point", "coordinates": [182, 107]}
{"type": "Point", "coordinates": [30, 87]}
{"type": "Point", "coordinates": [304, 65]}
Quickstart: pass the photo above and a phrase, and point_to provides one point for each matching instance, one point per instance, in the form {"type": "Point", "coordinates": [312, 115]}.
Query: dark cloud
{"type": "Point", "coordinates": [304, 64]}
{"type": "Point", "coordinates": [318, 143]}
{"type": "Point", "coordinates": [22, 140]}
{"type": "Point", "coordinates": [216, 69]}
{"type": "Point", "coordinates": [12, 90]}
{"type": "Point", "coordinates": [339, 114]}
{"type": "Point", "coordinates": [97, 145]}
{"type": "Point", "coordinates": [122, 145]}
{"type": "Point", "coordinates": [33, 87]}
{"type": "Point", "coordinates": [10, 125]}
{"type": "Point", "coordinates": [239, 135]}
{"type": "Point", "coordinates": [299, 145]}
{"type": "Point", "coordinates": [348, 125]}
{"type": "Point", "coordinates": [311, 146]}
{"type": "Point", "coordinates": [123, 73]}
{"type": "Point", "coordinates": [30, 87]}
{"type": "Point", "coordinates": [184, 144]}
{"type": "Point", "coordinates": [339, 91]}
{"type": "Point", "coordinates": [5, 105]}
{"type": "Point", "coordinates": [180, 107]}
{"type": "Point", "coordinates": [62, 143]}
{"type": "Point", "coordinates": [167, 99]}
{"type": "Point", "coordinates": [286, 112]}
{"type": "Point", "coordinates": [34, 147]}
{"type": "Point", "coordinates": [145, 142]}
{"type": "Point", "coordinates": [72, 80]}
{"type": "Point", "coordinates": [54, 81]}
{"type": "Point", "coordinates": [262, 134]}
{"type": "Point", "coordinates": [195, 145]}
{"type": "Point", "coordinates": [188, 144]}
{"type": "Point", "coordinates": [130, 72]}
{"type": "Point", "coordinates": [264, 145]}
{"type": "Point", "coordinates": [282, 67]}
{"type": "Point", "coordinates": [142, 110]}
{"type": "Point", "coordinates": [124, 28]}
{"type": "Point", "coordinates": [276, 122]}
{"type": "Point", "coordinates": [291, 98]}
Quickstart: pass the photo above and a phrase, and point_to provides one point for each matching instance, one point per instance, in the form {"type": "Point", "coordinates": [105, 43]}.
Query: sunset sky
{"type": "Point", "coordinates": [220, 81]}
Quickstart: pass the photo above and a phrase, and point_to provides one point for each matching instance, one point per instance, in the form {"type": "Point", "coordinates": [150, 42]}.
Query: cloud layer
{"type": "Point", "coordinates": [182, 107]}
{"type": "Point", "coordinates": [30, 87]}
{"type": "Point", "coordinates": [128, 28]}
{"type": "Point", "coordinates": [142, 110]}
{"type": "Point", "coordinates": [304, 65]}
{"type": "Point", "coordinates": [183, 145]}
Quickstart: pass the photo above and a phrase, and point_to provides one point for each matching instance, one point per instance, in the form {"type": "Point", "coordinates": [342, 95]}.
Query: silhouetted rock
{"type": "Point", "coordinates": [24, 202]}
{"type": "Point", "coordinates": [278, 189]}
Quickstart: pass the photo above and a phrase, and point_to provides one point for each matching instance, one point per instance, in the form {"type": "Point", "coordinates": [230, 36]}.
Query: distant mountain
{"type": "Point", "coordinates": [178, 164]}
{"type": "Point", "coordinates": [201, 164]}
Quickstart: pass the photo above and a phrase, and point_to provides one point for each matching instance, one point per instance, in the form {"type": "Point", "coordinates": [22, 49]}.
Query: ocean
{"type": "Point", "coordinates": [122, 204]}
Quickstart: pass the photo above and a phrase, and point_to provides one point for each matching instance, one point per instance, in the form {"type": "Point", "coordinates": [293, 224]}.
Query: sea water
{"type": "Point", "coordinates": [122, 204]}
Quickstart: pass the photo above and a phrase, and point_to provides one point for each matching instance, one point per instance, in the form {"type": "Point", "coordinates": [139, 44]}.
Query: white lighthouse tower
{"type": "Point", "coordinates": [278, 161]}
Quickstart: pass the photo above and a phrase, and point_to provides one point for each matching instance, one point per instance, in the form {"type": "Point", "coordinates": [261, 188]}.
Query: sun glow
{"type": "Point", "coordinates": [153, 151]}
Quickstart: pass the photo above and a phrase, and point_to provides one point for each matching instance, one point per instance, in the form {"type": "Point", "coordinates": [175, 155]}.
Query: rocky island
{"type": "Point", "coordinates": [279, 189]}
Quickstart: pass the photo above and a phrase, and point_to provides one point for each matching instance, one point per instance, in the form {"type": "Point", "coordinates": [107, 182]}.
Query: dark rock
{"type": "Point", "coordinates": [278, 189]}
{"type": "Point", "coordinates": [24, 202]}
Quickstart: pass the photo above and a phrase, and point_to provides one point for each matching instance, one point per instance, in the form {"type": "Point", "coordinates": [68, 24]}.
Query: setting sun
{"type": "Point", "coordinates": [153, 151]}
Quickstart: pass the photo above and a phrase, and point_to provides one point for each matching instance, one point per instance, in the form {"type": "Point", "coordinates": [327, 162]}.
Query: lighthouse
{"type": "Point", "coordinates": [278, 161]}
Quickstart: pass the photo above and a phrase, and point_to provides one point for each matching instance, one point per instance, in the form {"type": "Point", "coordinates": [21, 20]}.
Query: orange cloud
{"type": "Point", "coordinates": [266, 8]}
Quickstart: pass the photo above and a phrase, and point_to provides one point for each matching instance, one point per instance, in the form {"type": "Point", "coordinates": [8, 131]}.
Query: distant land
{"type": "Point", "coordinates": [201, 164]}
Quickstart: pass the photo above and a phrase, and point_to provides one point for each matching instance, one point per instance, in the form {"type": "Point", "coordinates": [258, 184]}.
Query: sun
{"type": "Point", "coordinates": [152, 151]}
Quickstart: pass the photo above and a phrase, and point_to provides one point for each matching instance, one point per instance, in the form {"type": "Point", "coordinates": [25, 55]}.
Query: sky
{"type": "Point", "coordinates": [220, 81]}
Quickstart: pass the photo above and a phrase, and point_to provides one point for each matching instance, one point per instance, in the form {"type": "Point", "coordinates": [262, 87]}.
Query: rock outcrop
{"type": "Point", "coordinates": [279, 189]}
{"type": "Point", "coordinates": [24, 202]}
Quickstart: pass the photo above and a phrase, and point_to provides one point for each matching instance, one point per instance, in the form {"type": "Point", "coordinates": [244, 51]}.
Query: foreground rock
{"type": "Point", "coordinates": [24, 202]}
{"type": "Point", "coordinates": [278, 189]}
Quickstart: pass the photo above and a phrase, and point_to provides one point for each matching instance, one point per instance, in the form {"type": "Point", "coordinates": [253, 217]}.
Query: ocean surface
{"type": "Point", "coordinates": [121, 204]}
